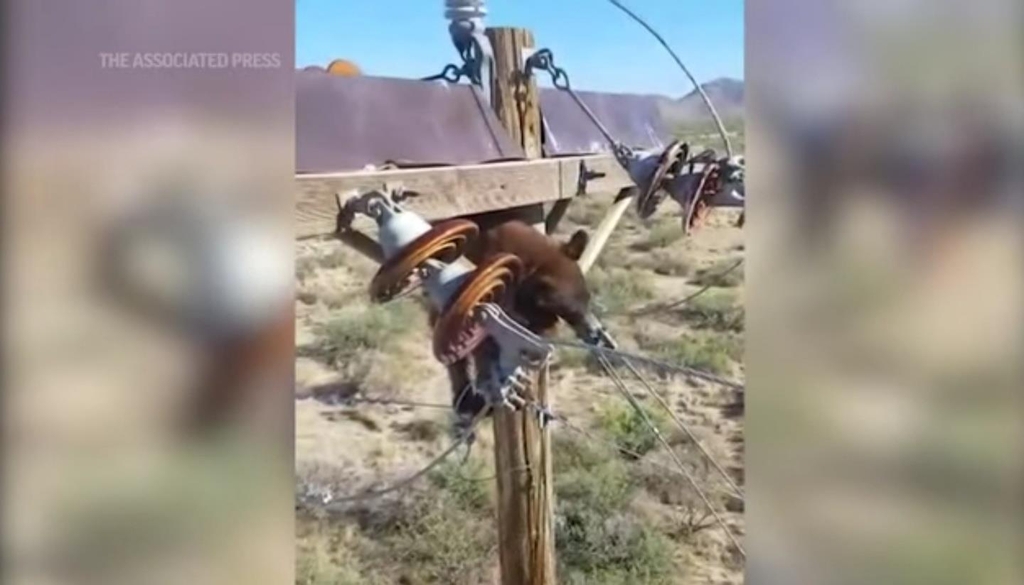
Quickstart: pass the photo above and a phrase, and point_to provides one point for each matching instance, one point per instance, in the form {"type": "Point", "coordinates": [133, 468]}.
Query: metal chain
{"type": "Point", "coordinates": [544, 60]}
{"type": "Point", "coordinates": [451, 73]}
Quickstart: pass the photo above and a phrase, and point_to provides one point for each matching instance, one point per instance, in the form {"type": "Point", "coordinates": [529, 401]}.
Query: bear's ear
{"type": "Point", "coordinates": [576, 244]}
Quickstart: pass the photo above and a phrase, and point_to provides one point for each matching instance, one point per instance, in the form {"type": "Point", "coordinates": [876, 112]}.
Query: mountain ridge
{"type": "Point", "coordinates": [726, 93]}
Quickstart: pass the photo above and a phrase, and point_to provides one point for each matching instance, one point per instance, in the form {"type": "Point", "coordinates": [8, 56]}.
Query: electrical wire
{"type": "Point", "coordinates": [693, 80]}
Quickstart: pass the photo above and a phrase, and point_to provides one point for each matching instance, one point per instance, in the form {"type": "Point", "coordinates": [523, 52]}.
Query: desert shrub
{"type": "Point", "coordinates": [306, 297]}
{"type": "Point", "coordinates": [618, 550]}
{"type": "Point", "coordinates": [590, 477]}
{"type": "Point", "coordinates": [463, 483]}
{"type": "Point", "coordinates": [599, 539]}
{"type": "Point", "coordinates": [716, 310]}
{"type": "Point", "coordinates": [315, 565]}
{"type": "Point", "coordinates": [438, 539]}
{"type": "Point", "coordinates": [326, 556]}
{"type": "Point", "coordinates": [707, 352]}
{"type": "Point", "coordinates": [424, 429]}
{"type": "Point", "coordinates": [615, 290]}
{"type": "Point", "coordinates": [359, 329]}
{"type": "Point", "coordinates": [441, 533]}
{"type": "Point", "coordinates": [336, 258]}
{"type": "Point", "coordinates": [613, 257]}
{"type": "Point", "coordinates": [691, 515]}
{"type": "Point", "coordinates": [628, 429]}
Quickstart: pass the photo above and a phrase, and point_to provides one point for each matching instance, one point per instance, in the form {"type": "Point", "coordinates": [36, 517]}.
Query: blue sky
{"type": "Point", "coordinates": [599, 46]}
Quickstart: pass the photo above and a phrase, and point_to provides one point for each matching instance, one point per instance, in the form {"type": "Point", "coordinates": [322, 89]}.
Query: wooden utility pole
{"type": "Point", "coordinates": [516, 101]}
{"type": "Point", "coordinates": [522, 448]}
{"type": "Point", "coordinates": [515, 97]}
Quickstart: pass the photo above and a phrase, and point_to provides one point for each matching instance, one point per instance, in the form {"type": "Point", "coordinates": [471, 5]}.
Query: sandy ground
{"type": "Point", "coordinates": [352, 448]}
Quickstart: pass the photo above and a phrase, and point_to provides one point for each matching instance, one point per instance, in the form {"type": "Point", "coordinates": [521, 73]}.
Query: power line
{"type": "Point", "coordinates": [621, 387]}
{"type": "Point", "coordinates": [660, 307]}
{"type": "Point", "coordinates": [664, 404]}
{"type": "Point", "coordinates": [693, 372]}
{"type": "Point", "coordinates": [679, 62]}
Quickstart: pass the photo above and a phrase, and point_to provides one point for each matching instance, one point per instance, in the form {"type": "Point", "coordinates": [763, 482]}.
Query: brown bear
{"type": "Point", "coordinates": [551, 288]}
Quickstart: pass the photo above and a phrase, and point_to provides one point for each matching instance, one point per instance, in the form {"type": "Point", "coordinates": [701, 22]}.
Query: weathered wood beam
{"type": "Point", "coordinates": [454, 191]}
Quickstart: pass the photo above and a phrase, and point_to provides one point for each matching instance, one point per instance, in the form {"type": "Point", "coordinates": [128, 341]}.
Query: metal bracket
{"type": "Point", "coordinates": [594, 333]}
{"type": "Point", "coordinates": [585, 176]}
{"type": "Point", "coordinates": [371, 202]}
{"type": "Point", "coordinates": [519, 349]}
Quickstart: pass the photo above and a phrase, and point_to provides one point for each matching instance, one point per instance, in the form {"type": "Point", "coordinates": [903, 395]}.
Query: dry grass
{"type": "Point", "coordinates": [356, 330]}
{"type": "Point", "coordinates": [717, 275]}
{"type": "Point", "coordinates": [661, 235]}
{"type": "Point", "coordinates": [615, 290]}
{"type": "Point", "coordinates": [619, 520]}
{"type": "Point", "coordinates": [703, 351]}
{"type": "Point", "coordinates": [667, 262]}
{"type": "Point", "coordinates": [426, 430]}
{"type": "Point", "coordinates": [716, 310]}
{"type": "Point", "coordinates": [586, 211]}
{"type": "Point", "coordinates": [440, 533]}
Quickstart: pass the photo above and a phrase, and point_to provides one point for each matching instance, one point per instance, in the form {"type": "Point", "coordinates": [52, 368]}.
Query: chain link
{"type": "Point", "coordinates": [544, 60]}
{"type": "Point", "coordinates": [451, 73]}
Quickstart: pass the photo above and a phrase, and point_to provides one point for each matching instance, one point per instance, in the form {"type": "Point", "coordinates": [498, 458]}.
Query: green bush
{"type": "Point", "coordinates": [590, 478]}
{"type": "Point", "coordinates": [599, 538]}
{"type": "Point", "coordinates": [628, 429]}
{"type": "Point", "coordinates": [462, 483]}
